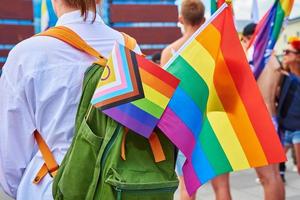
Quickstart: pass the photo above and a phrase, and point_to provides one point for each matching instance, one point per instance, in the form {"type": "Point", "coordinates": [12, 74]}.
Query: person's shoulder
{"type": "Point", "coordinates": [170, 50]}
{"type": "Point", "coordinates": [35, 46]}
{"type": "Point", "coordinates": [178, 43]}
{"type": "Point", "coordinates": [31, 54]}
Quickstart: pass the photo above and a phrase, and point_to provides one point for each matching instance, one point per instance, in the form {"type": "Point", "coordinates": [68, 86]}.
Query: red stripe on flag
{"type": "Point", "coordinates": [155, 70]}
{"type": "Point", "coordinates": [243, 78]}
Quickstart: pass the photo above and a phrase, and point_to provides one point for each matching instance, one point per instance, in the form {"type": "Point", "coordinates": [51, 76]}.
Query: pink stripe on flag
{"type": "Point", "coordinates": [185, 141]}
{"type": "Point", "coordinates": [122, 75]}
{"type": "Point", "coordinates": [190, 178]}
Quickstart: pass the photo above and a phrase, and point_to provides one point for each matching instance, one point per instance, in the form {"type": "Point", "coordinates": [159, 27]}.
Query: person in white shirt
{"type": "Point", "coordinates": [40, 89]}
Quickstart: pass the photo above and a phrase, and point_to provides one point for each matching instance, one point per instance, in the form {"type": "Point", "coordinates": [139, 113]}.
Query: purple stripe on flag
{"type": "Point", "coordinates": [190, 178]}
{"type": "Point", "coordinates": [129, 122]}
{"type": "Point", "coordinates": [185, 141]}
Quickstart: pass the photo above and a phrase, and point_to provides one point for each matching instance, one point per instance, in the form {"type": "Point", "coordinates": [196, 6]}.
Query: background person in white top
{"type": "Point", "coordinates": [40, 88]}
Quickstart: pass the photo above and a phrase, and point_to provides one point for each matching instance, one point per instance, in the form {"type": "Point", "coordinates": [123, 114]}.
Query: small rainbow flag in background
{"type": "Point", "coordinates": [267, 33]}
{"type": "Point", "coordinates": [134, 91]}
{"type": "Point", "coordinates": [44, 16]}
{"type": "Point", "coordinates": [212, 117]}
{"type": "Point", "coordinates": [215, 4]}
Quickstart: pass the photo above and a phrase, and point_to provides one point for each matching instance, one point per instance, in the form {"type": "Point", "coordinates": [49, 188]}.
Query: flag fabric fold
{"type": "Point", "coordinates": [212, 117]}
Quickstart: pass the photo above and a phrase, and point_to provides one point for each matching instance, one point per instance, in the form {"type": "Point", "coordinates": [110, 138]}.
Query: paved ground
{"type": "Point", "coordinates": [243, 187]}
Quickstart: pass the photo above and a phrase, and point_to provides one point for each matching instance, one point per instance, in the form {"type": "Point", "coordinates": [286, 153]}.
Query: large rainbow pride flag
{"type": "Point", "coordinates": [267, 33]}
{"type": "Point", "coordinates": [133, 90]}
{"type": "Point", "coordinates": [217, 116]}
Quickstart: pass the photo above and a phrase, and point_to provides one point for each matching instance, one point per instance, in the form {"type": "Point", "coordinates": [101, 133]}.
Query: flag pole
{"type": "Point", "coordinates": [199, 30]}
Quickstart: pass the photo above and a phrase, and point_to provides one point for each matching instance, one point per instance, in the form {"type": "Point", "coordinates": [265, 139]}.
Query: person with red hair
{"type": "Point", "coordinates": [289, 99]}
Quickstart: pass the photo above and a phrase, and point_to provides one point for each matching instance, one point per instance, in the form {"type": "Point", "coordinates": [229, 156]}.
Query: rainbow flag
{"type": "Point", "coordinates": [47, 15]}
{"type": "Point", "coordinates": [212, 117]}
{"type": "Point", "coordinates": [44, 16]}
{"type": "Point", "coordinates": [134, 91]}
{"type": "Point", "coordinates": [267, 33]}
{"type": "Point", "coordinates": [215, 4]}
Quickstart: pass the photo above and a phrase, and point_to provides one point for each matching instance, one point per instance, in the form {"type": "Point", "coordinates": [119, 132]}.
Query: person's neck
{"type": "Point", "coordinates": [63, 10]}
{"type": "Point", "coordinates": [190, 30]}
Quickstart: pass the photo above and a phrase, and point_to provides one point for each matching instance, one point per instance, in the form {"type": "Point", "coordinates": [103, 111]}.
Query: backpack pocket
{"type": "Point", "coordinates": [139, 189]}
{"type": "Point", "coordinates": [79, 169]}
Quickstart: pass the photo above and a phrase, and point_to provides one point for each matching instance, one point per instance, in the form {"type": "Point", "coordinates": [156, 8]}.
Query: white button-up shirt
{"type": "Point", "coordinates": [40, 88]}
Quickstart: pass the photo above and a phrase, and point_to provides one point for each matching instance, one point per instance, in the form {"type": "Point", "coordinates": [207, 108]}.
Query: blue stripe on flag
{"type": "Point", "coordinates": [138, 114]}
{"type": "Point", "coordinates": [201, 165]}
{"type": "Point", "coordinates": [187, 111]}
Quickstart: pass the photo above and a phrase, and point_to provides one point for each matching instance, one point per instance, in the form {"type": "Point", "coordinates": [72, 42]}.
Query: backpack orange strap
{"type": "Point", "coordinates": [50, 166]}
{"type": "Point", "coordinates": [155, 145]}
{"type": "Point", "coordinates": [70, 37]}
{"type": "Point", "coordinates": [129, 41]}
{"type": "Point", "coordinates": [123, 155]}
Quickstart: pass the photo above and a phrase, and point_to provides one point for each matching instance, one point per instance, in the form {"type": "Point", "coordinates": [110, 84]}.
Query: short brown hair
{"type": "Point", "coordinates": [192, 11]}
{"type": "Point", "coordinates": [83, 5]}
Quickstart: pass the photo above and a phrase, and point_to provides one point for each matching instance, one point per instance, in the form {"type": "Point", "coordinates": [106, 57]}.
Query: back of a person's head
{"type": "Point", "coordinates": [83, 5]}
{"type": "Point", "coordinates": [192, 11]}
{"type": "Point", "coordinates": [249, 29]}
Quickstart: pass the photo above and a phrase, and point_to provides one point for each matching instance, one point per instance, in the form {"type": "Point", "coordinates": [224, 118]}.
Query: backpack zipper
{"type": "Point", "coordinates": [109, 145]}
{"type": "Point", "coordinates": [108, 148]}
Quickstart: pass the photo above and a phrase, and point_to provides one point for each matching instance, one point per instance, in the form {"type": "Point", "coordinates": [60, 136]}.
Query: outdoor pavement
{"type": "Point", "coordinates": [244, 187]}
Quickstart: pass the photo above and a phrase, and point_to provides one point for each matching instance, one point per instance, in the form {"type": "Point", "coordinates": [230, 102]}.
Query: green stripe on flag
{"type": "Point", "coordinates": [149, 107]}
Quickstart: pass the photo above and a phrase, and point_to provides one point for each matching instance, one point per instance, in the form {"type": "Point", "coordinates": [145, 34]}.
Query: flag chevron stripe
{"type": "Point", "coordinates": [137, 93]}
{"type": "Point", "coordinates": [125, 80]}
{"type": "Point", "coordinates": [115, 75]}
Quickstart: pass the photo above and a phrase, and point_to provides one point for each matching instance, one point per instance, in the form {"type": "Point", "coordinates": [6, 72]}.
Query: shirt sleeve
{"type": "Point", "coordinates": [16, 124]}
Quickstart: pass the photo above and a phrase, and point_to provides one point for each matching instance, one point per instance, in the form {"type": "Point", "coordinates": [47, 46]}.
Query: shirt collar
{"type": "Point", "coordinates": [75, 17]}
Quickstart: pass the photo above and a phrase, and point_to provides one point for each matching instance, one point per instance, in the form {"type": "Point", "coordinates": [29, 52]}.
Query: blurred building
{"type": "Point", "coordinates": [16, 24]}
{"type": "Point", "coordinates": [152, 22]}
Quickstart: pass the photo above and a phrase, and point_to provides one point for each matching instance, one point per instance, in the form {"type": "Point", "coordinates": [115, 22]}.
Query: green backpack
{"type": "Point", "coordinates": [106, 162]}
